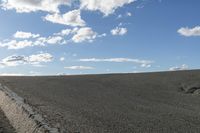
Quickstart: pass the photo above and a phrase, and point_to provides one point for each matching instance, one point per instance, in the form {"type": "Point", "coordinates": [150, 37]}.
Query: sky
{"type": "Point", "coordinates": [67, 37]}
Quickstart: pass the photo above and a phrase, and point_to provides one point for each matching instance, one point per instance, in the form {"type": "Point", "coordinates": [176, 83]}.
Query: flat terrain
{"type": "Point", "coordinates": [5, 126]}
{"type": "Point", "coordinates": [119, 103]}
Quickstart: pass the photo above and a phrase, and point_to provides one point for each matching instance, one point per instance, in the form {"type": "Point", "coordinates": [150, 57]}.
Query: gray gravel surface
{"type": "Point", "coordinates": [119, 103]}
{"type": "Point", "coordinates": [5, 126]}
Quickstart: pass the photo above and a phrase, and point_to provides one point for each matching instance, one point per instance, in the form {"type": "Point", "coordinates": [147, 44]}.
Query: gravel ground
{"type": "Point", "coordinates": [119, 103]}
{"type": "Point", "coordinates": [5, 126]}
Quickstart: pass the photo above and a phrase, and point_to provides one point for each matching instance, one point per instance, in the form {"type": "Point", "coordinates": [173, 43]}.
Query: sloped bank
{"type": "Point", "coordinates": [21, 115]}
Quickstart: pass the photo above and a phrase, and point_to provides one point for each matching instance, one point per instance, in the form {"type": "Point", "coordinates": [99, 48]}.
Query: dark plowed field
{"type": "Point", "coordinates": [118, 103]}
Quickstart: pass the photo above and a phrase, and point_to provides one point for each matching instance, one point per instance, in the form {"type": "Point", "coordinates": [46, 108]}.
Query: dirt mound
{"type": "Point", "coordinates": [190, 89]}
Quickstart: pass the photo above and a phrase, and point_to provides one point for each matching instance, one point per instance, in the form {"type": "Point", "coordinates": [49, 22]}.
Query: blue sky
{"type": "Point", "coordinates": [50, 37]}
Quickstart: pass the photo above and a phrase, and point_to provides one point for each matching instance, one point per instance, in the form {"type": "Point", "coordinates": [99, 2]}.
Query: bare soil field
{"type": "Point", "coordinates": [162, 102]}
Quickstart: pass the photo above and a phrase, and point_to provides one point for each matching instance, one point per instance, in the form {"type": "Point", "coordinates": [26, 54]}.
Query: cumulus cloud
{"type": "Point", "coordinates": [71, 18]}
{"type": "Point", "coordinates": [16, 60]}
{"type": "Point", "coordinates": [38, 58]}
{"type": "Point", "coordinates": [21, 44]}
{"type": "Point", "coordinates": [79, 34]}
{"type": "Point", "coordinates": [13, 60]}
{"type": "Point", "coordinates": [25, 35]}
{"type": "Point", "coordinates": [54, 39]}
{"type": "Point", "coordinates": [48, 40]}
{"type": "Point", "coordinates": [119, 31]}
{"type": "Point", "coordinates": [27, 6]}
{"type": "Point", "coordinates": [185, 31]}
{"type": "Point", "coordinates": [27, 39]}
{"type": "Point", "coordinates": [41, 41]}
{"type": "Point", "coordinates": [177, 68]}
{"type": "Point", "coordinates": [13, 44]}
{"type": "Point", "coordinates": [107, 7]}
{"type": "Point", "coordinates": [64, 32]}
{"type": "Point", "coordinates": [79, 68]}
{"type": "Point", "coordinates": [84, 34]}
{"type": "Point", "coordinates": [143, 63]}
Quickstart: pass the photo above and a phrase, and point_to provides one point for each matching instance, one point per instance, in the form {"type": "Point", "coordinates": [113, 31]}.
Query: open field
{"type": "Point", "coordinates": [119, 103]}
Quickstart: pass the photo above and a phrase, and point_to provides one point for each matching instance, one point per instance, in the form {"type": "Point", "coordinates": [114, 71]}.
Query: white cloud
{"type": "Point", "coordinates": [13, 60]}
{"type": "Point", "coordinates": [79, 68]}
{"type": "Point", "coordinates": [79, 35]}
{"type": "Point", "coordinates": [143, 63]}
{"type": "Point", "coordinates": [119, 31]}
{"type": "Point", "coordinates": [185, 31]}
{"type": "Point", "coordinates": [16, 60]}
{"type": "Point", "coordinates": [38, 58]}
{"type": "Point", "coordinates": [76, 35]}
{"type": "Point", "coordinates": [107, 7]}
{"type": "Point", "coordinates": [54, 39]}
{"type": "Point", "coordinates": [84, 34]}
{"type": "Point", "coordinates": [177, 68]}
{"type": "Point", "coordinates": [8, 43]}
{"type": "Point", "coordinates": [25, 35]}
{"type": "Point", "coordinates": [21, 44]}
{"type": "Point", "coordinates": [129, 14]}
{"type": "Point", "coordinates": [119, 16]}
{"type": "Point", "coordinates": [71, 18]}
{"type": "Point", "coordinates": [11, 74]}
{"type": "Point", "coordinates": [13, 44]}
{"type": "Point", "coordinates": [146, 65]}
{"type": "Point", "coordinates": [50, 40]}
{"type": "Point", "coordinates": [62, 58]}
{"type": "Point", "coordinates": [64, 32]}
{"type": "Point", "coordinates": [40, 41]}
{"type": "Point", "coordinates": [34, 5]}
{"type": "Point", "coordinates": [102, 35]}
